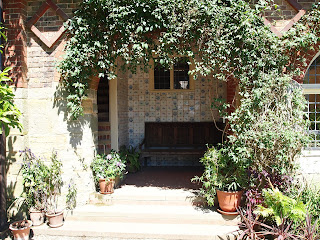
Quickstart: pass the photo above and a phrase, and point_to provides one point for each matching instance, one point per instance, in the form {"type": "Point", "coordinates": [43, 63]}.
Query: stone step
{"type": "Point", "coordinates": [126, 230]}
{"type": "Point", "coordinates": [129, 194]}
{"type": "Point", "coordinates": [157, 214]}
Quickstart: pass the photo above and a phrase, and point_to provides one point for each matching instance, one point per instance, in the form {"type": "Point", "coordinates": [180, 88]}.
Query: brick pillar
{"type": "Point", "coordinates": [15, 49]}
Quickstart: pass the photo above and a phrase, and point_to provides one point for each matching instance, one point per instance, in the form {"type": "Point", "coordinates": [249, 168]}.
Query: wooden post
{"type": "Point", "coordinates": [3, 173]}
{"type": "Point", "coordinates": [3, 181]}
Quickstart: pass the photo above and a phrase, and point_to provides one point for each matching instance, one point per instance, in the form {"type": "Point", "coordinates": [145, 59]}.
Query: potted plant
{"type": "Point", "coordinates": [54, 184]}
{"type": "Point", "coordinates": [21, 229]}
{"type": "Point", "coordinates": [106, 168]}
{"type": "Point", "coordinates": [131, 156]}
{"type": "Point", "coordinates": [223, 176]}
{"type": "Point", "coordinates": [35, 175]}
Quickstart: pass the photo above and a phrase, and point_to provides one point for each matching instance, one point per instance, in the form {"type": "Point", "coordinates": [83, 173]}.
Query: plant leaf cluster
{"type": "Point", "coordinates": [9, 113]}
{"type": "Point", "coordinates": [43, 181]}
{"type": "Point", "coordinates": [108, 166]}
{"type": "Point", "coordinates": [280, 207]}
{"type": "Point", "coordinates": [221, 172]}
{"type": "Point", "coordinates": [131, 157]}
{"type": "Point", "coordinates": [226, 40]}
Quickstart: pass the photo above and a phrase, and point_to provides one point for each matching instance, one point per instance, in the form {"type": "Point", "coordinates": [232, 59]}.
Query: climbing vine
{"type": "Point", "coordinates": [226, 39]}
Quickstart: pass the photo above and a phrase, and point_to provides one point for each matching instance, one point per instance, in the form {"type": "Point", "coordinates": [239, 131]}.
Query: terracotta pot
{"type": "Point", "coordinates": [55, 219]}
{"type": "Point", "coordinates": [37, 217]}
{"type": "Point", "coordinates": [106, 186]}
{"type": "Point", "coordinates": [110, 186]}
{"type": "Point", "coordinates": [229, 201]}
{"type": "Point", "coordinates": [21, 229]}
{"type": "Point", "coordinates": [102, 185]}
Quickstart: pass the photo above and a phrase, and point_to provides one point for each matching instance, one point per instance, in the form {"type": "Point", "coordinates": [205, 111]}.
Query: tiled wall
{"type": "Point", "coordinates": [149, 106]}
{"type": "Point", "coordinates": [122, 109]}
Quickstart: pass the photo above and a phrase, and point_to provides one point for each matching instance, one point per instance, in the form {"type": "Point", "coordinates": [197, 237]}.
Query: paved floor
{"type": "Point", "coordinates": [151, 205]}
{"type": "Point", "coordinates": [165, 177]}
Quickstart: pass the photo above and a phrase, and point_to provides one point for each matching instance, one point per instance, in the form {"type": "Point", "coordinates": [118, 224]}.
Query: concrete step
{"type": "Point", "coordinates": [125, 230]}
{"type": "Point", "coordinates": [128, 194]}
{"type": "Point", "coordinates": [156, 214]}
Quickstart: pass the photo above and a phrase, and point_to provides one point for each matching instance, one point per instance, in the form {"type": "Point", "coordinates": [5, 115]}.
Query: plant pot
{"type": "Point", "coordinates": [229, 201]}
{"type": "Point", "coordinates": [55, 219]}
{"type": "Point", "coordinates": [106, 186]}
{"type": "Point", "coordinates": [37, 217]}
{"type": "Point", "coordinates": [20, 229]}
{"type": "Point", "coordinates": [102, 185]}
{"type": "Point", "coordinates": [117, 181]}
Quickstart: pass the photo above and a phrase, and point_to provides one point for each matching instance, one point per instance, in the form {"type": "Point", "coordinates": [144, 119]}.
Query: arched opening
{"type": "Point", "coordinates": [104, 136]}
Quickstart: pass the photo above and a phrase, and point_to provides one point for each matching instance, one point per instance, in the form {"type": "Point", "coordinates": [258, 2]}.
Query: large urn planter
{"type": "Point", "coordinates": [229, 201]}
{"type": "Point", "coordinates": [55, 219]}
{"type": "Point", "coordinates": [20, 229]}
{"type": "Point", "coordinates": [37, 217]}
{"type": "Point", "coordinates": [106, 186]}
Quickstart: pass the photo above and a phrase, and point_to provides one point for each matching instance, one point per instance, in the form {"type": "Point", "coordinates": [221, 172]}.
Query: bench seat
{"type": "Point", "coordinates": [179, 138]}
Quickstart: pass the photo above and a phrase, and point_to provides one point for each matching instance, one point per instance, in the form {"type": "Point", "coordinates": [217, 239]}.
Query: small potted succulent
{"type": "Point", "coordinates": [35, 175]}
{"type": "Point", "coordinates": [106, 168]}
{"type": "Point", "coordinates": [223, 177]}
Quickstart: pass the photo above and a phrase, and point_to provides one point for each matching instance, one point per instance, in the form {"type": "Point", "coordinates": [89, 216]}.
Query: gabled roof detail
{"type": "Point", "coordinates": [300, 12]}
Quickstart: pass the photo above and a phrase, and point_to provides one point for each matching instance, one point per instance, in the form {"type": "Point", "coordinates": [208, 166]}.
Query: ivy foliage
{"type": "Point", "coordinates": [226, 40]}
{"type": "Point", "coordinates": [269, 126]}
{"type": "Point", "coordinates": [9, 113]}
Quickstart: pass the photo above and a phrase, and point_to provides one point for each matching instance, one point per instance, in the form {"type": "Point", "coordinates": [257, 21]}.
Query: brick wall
{"type": "Point", "coordinates": [39, 98]}
{"type": "Point", "coordinates": [15, 15]}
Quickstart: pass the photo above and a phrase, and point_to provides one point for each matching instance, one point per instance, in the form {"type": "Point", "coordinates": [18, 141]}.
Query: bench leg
{"type": "Point", "coordinates": [145, 163]}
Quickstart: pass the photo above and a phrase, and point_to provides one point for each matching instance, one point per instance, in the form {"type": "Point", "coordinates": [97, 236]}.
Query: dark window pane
{"type": "Point", "coordinates": [181, 76]}
{"type": "Point", "coordinates": [161, 77]}
{"type": "Point", "coordinates": [313, 74]}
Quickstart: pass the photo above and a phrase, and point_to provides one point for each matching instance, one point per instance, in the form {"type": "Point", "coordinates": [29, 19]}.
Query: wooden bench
{"type": "Point", "coordinates": [179, 138]}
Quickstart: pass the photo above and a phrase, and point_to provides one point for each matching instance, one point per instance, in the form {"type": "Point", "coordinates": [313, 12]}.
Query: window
{"type": "Point", "coordinates": [311, 85]}
{"type": "Point", "coordinates": [175, 78]}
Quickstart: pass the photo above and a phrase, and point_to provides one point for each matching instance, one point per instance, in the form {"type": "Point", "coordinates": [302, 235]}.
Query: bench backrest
{"type": "Point", "coordinates": [188, 135]}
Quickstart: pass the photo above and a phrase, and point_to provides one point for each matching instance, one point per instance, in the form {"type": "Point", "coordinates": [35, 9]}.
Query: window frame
{"type": "Point", "coordinates": [172, 89]}
{"type": "Point", "coordinates": [312, 89]}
